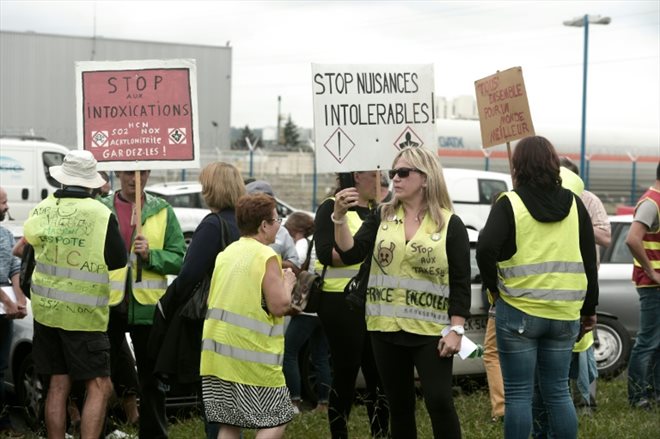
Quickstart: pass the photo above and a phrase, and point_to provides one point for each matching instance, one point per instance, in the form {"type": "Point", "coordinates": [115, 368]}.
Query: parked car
{"type": "Point", "coordinates": [618, 304]}
{"type": "Point", "coordinates": [24, 171]}
{"type": "Point", "coordinates": [472, 192]}
{"type": "Point", "coordinates": [189, 206]}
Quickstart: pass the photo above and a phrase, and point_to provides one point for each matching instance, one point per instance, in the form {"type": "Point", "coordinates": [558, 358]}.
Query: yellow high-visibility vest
{"type": "Point", "coordinates": [70, 288]}
{"type": "Point", "coordinates": [241, 342]}
{"type": "Point", "coordinates": [153, 285]}
{"type": "Point", "coordinates": [545, 277]}
{"type": "Point", "coordinates": [409, 282]}
{"type": "Point", "coordinates": [336, 278]}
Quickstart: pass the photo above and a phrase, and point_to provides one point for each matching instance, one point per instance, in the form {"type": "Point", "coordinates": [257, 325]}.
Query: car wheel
{"type": "Point", "coordinates": [612, 347]}
{"type": "Point", "coordinates": [30, 393]}
{"type": "Point", "coordinates": [187, 238]}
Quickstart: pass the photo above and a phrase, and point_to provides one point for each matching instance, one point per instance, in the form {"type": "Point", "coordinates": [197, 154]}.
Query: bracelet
{"type": "Point", "coordinates": [334, 220]}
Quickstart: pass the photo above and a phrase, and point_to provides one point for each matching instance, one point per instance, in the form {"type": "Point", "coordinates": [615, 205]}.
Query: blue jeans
{"type": "Point", "coordinates": [301, 329]}
{"type": "Point", "coordinates": [644, 366]}
{"type": "Point", "coordinates": [532, 347]}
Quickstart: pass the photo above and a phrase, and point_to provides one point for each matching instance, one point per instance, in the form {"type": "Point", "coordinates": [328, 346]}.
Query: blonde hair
{"type": "Point", "coordinates": [436, 195]}
{"type": "Point", "coordinates": [222, 185]}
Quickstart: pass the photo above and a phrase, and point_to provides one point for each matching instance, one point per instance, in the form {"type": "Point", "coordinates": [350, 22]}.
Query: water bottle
{"type": "Point", "coordinates": [478, 352]}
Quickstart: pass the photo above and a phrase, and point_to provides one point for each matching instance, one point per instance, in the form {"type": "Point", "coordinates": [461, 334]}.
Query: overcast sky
{"type": "Point", "coordinates": [274, 44]}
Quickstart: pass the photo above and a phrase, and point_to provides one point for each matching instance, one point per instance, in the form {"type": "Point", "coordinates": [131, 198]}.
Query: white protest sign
{"type": "Point", "coordinates": [365, 114]}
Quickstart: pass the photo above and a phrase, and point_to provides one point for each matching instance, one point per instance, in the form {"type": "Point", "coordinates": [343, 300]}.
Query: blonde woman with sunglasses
{"type": "Point", "coordinates": [419, 285]}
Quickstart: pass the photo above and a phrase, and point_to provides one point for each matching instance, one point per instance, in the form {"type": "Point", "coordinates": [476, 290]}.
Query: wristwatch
{"type": "Point", "coordinates": [458, 329]}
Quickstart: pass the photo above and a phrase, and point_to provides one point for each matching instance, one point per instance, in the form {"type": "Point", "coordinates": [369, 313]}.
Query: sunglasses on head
{"type": "Point", "coordinates": [402, 172]}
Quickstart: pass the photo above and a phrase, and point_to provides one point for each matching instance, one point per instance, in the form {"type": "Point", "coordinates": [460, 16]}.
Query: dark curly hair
{"type": "Point", "coordinates": [536, 163]}
{"type": "Point", "coordinates": [251, 210]}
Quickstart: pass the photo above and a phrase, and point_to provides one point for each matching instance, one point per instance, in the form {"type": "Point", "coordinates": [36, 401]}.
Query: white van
{"type": "Point", "coordinates": [472, 191]}
{"type": "Point", "coordinates": [24, 163]}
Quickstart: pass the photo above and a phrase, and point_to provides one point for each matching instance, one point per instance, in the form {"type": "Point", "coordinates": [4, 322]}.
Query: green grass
{"type": "Point", "coordinates": [613, 420]}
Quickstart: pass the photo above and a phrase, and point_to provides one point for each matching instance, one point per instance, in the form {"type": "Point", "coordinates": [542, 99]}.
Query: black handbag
{"type": "Point", "coordinates": [195, 308]}
{"type": "Point", "coordinates": [356, 288]}
{"type": "Point", "coordinates": [306, 294]}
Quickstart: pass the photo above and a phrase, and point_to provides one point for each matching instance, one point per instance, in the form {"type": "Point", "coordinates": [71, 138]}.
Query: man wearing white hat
{"type": "Point", "coordinates": [70, 291]}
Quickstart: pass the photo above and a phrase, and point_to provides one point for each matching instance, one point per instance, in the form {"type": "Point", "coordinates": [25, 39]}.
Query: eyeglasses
{"type": "Point", "coordinates": [403, 172]}
{"type": "Point", "coordinates": [274, 220]}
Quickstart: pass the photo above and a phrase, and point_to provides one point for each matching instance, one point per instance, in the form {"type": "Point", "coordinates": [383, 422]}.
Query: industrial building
{"type": "Point", "coordinates": [37, 83]}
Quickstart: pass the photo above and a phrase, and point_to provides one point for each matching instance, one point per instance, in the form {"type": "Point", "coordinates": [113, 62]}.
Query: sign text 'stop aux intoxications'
{"type": "Point", "coordinates": [504, 113]}
{"type": "Point", "coordinates": [365, 114]}
{"type": "Point", "coordinates": [138, 111]}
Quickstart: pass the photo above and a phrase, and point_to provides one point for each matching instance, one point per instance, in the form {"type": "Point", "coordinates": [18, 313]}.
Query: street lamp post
{"type": "Point", "coordinates": [584, 22]}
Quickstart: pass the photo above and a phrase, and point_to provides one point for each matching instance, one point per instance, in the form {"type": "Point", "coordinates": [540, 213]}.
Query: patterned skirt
{"type": "Point", "coordinates": [245, 406]}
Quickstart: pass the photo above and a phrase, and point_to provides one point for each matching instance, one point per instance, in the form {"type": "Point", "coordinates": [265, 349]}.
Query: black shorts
{"type": "Point", "coordinates": [82, 355]}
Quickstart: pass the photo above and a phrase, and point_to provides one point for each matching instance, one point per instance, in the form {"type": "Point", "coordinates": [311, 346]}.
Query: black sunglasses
{"type": "Point", "coordinates": [402, 172]}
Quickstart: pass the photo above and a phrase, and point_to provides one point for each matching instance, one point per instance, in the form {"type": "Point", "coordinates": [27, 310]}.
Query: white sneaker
{"type": "Point", "coordinates": [117, 434]}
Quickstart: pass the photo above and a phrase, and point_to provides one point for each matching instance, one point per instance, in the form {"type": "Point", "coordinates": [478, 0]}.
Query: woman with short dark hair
{"type": "Point", "coordinates": [243, 337]}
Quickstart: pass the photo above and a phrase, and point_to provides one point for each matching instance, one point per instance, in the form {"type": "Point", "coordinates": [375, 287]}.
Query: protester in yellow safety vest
{"type": "Point", "coordinates": [346, 331]}
{"type": "Point", "coordinates": [136, 288]}
{"type": "Point", "coordinates": [243, 338]}
{"type": "Point", "coordinates": [643, 240]}
{"type": "Point", "coordinates": [76, 241]}
{"type": "Point", "coordinates": [584, 370]}
{"type": "Point", "coordinates": [540, 241]}
{"type": "Point", "coordinates": [419, 286]}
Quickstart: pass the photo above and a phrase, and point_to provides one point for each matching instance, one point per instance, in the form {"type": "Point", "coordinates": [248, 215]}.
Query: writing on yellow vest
{"type": "Point", "coordinates": [69, 286]}
{"type": "Point", "coordinates": [409, 282]}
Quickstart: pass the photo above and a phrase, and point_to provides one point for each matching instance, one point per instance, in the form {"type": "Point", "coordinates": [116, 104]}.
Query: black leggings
{"type": "Point", "coordinates": [350, 349]}
{"type": "Point", "coordinates": [396, 365]}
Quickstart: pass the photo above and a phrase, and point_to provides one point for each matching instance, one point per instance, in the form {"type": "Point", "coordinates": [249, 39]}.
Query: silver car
{"type": "Point", "coordinates": [618, 304]}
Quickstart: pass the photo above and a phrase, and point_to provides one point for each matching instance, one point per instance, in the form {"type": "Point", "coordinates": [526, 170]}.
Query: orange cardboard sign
{"type": "Point", "coordinates": [504, 113]}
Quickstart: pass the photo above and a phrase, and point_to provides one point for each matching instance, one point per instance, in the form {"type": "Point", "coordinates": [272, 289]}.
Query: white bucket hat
{"type": "Point", "coordinates": [78, 169]}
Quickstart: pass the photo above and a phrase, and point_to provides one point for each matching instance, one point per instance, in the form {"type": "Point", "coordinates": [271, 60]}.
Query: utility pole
{"type": "Point", "coordinates": [279, 119]}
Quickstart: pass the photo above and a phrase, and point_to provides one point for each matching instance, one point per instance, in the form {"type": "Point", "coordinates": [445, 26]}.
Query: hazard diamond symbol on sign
{"type": "Point", "coordinates": [177, 135]}
{"type": "Point", "coordinates": [407, 139]}
{"type": "Point", "coordinates": [99, 138]}
{"type": "Point", "coordinates": [339, 145]}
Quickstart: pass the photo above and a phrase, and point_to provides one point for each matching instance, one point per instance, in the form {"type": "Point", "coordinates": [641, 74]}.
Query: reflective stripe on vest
{"type": "Point", "coordinates": [69, 297]}
{"type": "Point", "coordinates": [382, 310]}
{"type": "Point", "coordinates": [336, 278]}
{"type": "Point", "coordinates": [242, 343]}
{"type": "Point", "coordinates": [409, 281]}
{"type": "Point", "coordinates": [650, 242]}
{"type": "Point", "coordinates": [340, 273]}
{"type": "Point", "coordinates": [245, 322]}
{"type": "Point", "coordinates": [383, 280]}
{"type": "Point", "coordinates": [242, 354]}
{"type": "Point", "coordinates": [69, 285]}
{"type": "Point", "coordinates": [546, 279]}
{"type": "Point", "coordinates": [71, 273]}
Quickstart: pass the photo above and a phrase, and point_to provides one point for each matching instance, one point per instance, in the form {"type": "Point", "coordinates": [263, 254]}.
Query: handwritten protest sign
{"type": "Point", "coordinates": [132, 112]}
{"type": "Point", "coordinates": [504, 113]}
{"type": "Point", "coordinates": [365, 114]}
